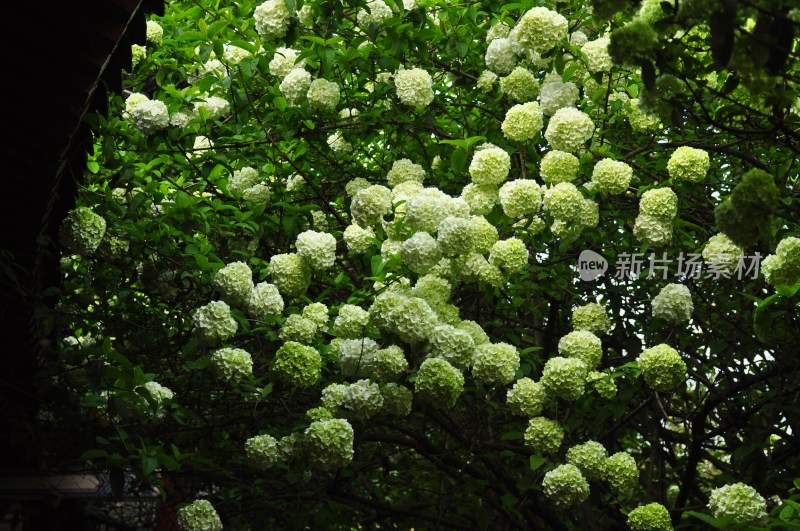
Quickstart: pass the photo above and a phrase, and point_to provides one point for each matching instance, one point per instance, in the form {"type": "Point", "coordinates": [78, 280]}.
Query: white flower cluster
{"type": "Point", "coordinates": [520, 85]}
{"type": "Point", "coordinates": [495, 363]}
{"type": "Point", "coordinates": [657, 208]}
{"type": "Point", "coordinates": [82, 230]}
{"type": "Point", "coordinates": [522, 122]}
{"type": "Point", "coordinates": [591, 317]}
{"type": "Point", "coordinates": [404, 170]}
{"type": "Point", "coordinates": [338, 143]}
{"type": "Point", "coordinates": [569, 129]}
{"type": "Point", "coordinates": [558, 167]}
{"type": "Point", "coordinates": [520, 197]}
{"type": "Point", "coordinates": [420, 252]}
{"type": "Point", "coordinates": [160, 395]}
{"type": "Point", "coordinates": [297, 365]}
{"type": "Point", "coordinates": [329, 443]}
{"type": "Point", "coordinates": [486, 81]}
{"type": "Point", "coordinates": [490, 165]}
{"type": "Point", "coordinates": [357, 239]}
{"type": "Point", "coordinates": [603, 384]}
{"type": "Point", "coordinates": [242, 179]}
{"type": "Point", "coordinates": [721, 253]}
{"type": "Point", "coordinates": [351, 322]}
{"type": "Point", "coordinates": [783, 267]}
{"type": "Point", "coordinates": [199, 515]}
{"type": "Point", "coordinates": [597, 54]}
{"type": "Point", "coordinates": [673, 304]}
{"type": "Point", "coordinates": [375, 13]}
{"type": "Point", "coordinates": [262, 451]}
{"type": "Point", "coordinates": [154, 32]}
{"type": "Point", "coordinates": [362, 400]}
{"type": "Point", "coordinates": [264, 301]}
{"type": "Point", "coordinates": [740, 501]}
{"type": "Point", "coordinates": [572, 212]}
{"type": "Point", "coordinates": [662, 368]}
{"type": "Point", "coordinates": [438, 383]}
{"type": "Point", "coordinates": [500, 57]}
{"type": "Point", "coordinates": [650, 517]}
{"type": "Point", "coordinates": [526, 398]}
{"type": "Point", "coordinates": [543, 435]}
{"type": "Point", "coordinates": [295, 85]}
{"type": "Point", "coordinates": [510, 255]}
{"type": "Point", "coordinates": [289, 274]}
{"type": "Point", "coordinates": [452, 344]}
{"type": "Point", "coordinates": [621, 473]}
{"type": "Point", "coordinates": [272, 19]}
{"type": "Point", "coordinates": [688, 164]}
{"type": "Point", "coordinates": [323, 95]}
{"type": "Point", "coordinates": [133, 101]}
{"type": "Point", "coordinates": [414, 87]}
{"type": "Point", "coordinates": [212, 107]}
{"type": "Point", "coordinates": [564, 377]}
{"type": "Point", "coordinates": [138, 54]}
{"type": "Point", "coordinates": [232, 363]}
{"type": "Point", "coordinates": [590, 458]}
{"type": "Point", "coordinates": [539, 29]}
{"type": "Point", "coordinates": [555, 95]}
{"type": "Point", "coordinates": [299, 329]}
{"type": "Point", "coordinates": [565, 486]}
{"type": "Point", "coordinates": [234, 282]}
{"type": "Point", "coordinates": [582, 345]}
{"type": "Point", "coordinates": [214, 322]}
{"type": "Point", "coordinates": [411, 318]}
{"type": "Point", "coordinates": [150, 116]}
{"type": "Point", "coordinates": [396, 399]}
{"type": "Point", "coordinates": [370, 205]}
{"type": "Point", "coordinates": [284, 61]}
{"type": "Point", "coordinates": [316, 249]}
{"type": "Point", "coordinates": [234, 54]}
{"type": "Point", "coordinates": [480, 198]}
{"type": "Point", "coordinates": [611, 176]}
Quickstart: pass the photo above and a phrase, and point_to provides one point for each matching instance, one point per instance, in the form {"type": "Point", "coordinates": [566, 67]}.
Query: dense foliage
{"type": "Point", "coordinates": [329, 267]}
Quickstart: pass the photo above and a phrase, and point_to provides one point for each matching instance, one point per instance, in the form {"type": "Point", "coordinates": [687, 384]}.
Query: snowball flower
{"type": "Point", "coordinates": [338, 143]}
{"type": "Point", "coordinates": [420, 252]}
{"type": "Point", "coordinates": [597, 54]}
{"type": "Point", "coordinates": [234, 54]}
{"type": "Point", "coordinates": [510, 255]}
{"type": "Point", "coordinates": [396, 400]}
{"type": "Point", "coordinates": [272, 19]}
{"type": "Point", "coordinates": [213, 107]}
{"type": "Point", "coordinates": [558, 167]}
{"type": "Point", "coordinates": [329, 443]}
{"type": "Point", "coordinates": [289, 273]}
{"type": "Point", "coordinates": [490, 165]}
{"type": "Point", "coordinates": [242, 179]}
{"type": "Point", "coordinates": [555, 95]}
{"type": "Point", "coordinates": [621, 473]}
{"type": "Point", "coordinates": [138, 54]}
{"type": "Point", "coordinates": [662, 368]}
{"type": "Point", "coordinates": [486, 81]}
{"type": "Point", "coordinates": [295, 85]}
{"type": "Point", "coordinates": [539, 29]}
{"type": "Point", "coordinates": [375, 13]}
{"type": "Point", "coordinates": [526, 398]}
{"type": "Point", "coordinates": [522, 122]}
{"type": "Point", "coordinates": [316, 249]}
{"type": "Point", "coordinates": [520, 197]}
{"type": "Point", "coordinates": [351, 322]}
{"type": "Point", "coordinates": [357, 239]}
{"type": "Point", "coordinates": [133, 101]}
{"type": "Point", "coordinates": [611, 176]}
{"type": "Point", "coordinates": [150, 116]}
{"type": "Point", "coordinates": [495, 363]}
{"type": "Point", "coordinates": [438, 383]}
{"type": "Point", "coordinates": [520, 85]}
{"type": "Point", "coordinates": [565, 486]}
{"type": "Point", "coordinates": [659, 203]}
{"type": "Point", "coordinates": [214, 322]}
{"type": "Point", "coordinates": [650, 517]}
{"type": "Point", "coordinates": [480, 198]}
{"type": "Point", "coordinates": [323, 95]}
{"type": "Point", "coordinates": [543, 436]}
{"type": "Point", "coordinates": [370, 205]}
{"type": "Point", "coordinates": [299, 329]}
{"type": "Point", "coordinates": [362, 399]}
{"type": "Point", "coordinates": [232, 363]}
{"type": "Point", "coordinates": [653, 231]}
{"type": "Point", "coordinates": [404, 170]}
{"type": "Point", "coordinates": [500, 57]}
{"type": "Point", "coordinates": [262, 451]}
{"type": "Point", "coordinates": [154, 32]}
{"type": "Point", "coordinates": [740, 501]}
{"type": "Point", "coordinates": [569, 129]}
{"type": "Point", "coordinates": [688, 164]}
{"type": "Point", "coordinates": [722, 253]}
{"type": "Point", "coordinates": [414, 87]}
{"type": "Point", "coordinates": [199, 516]}
{"type": "Point", "coordinates": [603, 384]}
{"type": "Point", "coordinates": [564, 377]}
{"type": "Point", "coordinates": [388, 364]}
{"type": "Point", "coordinates": [82, 230]}
{"type": "Point", "coordinates": [297, 365]}
{"type": "Point", "coordinates": [284, 61]}
{"type": "Point", "coordinates": [563, 201]}
{"type": "Point", "coordinates": [234, 282]}
{"type": "Point", "coordinates": [264, 301]}
{"type": "Point", "coordinates": [590, 458]}
{"type": "Point", "coordinates": [582, 345]}
{"type": "Point", "coordinates": [673, 303]}
{"type": "Point", "coordinates": [591, 317]}
{"type": "Point", "coordinates": [454, 345]}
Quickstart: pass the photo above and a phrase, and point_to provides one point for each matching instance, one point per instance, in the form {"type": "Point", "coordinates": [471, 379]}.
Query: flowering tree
{"type": "Point", "coordinates": [444, 265]}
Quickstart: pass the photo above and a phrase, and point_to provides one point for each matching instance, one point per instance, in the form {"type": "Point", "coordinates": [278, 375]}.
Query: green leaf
{"type": "Point", "coordinates": [537, 461]}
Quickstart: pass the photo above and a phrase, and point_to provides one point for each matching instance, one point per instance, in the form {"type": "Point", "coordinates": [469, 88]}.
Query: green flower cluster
{"type": "Point", "coordinates": [329, 443]}
{"type": "Point", "coordinates": [234, 282]}
{"type": "Point", "coordinates": [565, 486]}
{"type": "Point", "coordinates": [543, 435]}
{"type": "Point", "coordinates": [740, 501]}
{"type": "Point", "coordinates": [590, 458]}
{"type": "Point", "coordinates": [662, 368]}
{"type": "Point", "coordinates": [783, 267]}
{"type": "Point", "coordinates": [438, 383]}
{"type": "Point", "coordinates": [262, 451]}
{"type": "Point", "coordinates": [591, 317]}
{"type": "Point", "coordinates": [289, 274]}
{"type": "Point", "coordinates": [526, 398]}
{"type": "Point", "coordinates": [582, 345]}
{"type": "Point", "coordinates": [214, 322]}
{"type": "Point", "coordinates": [650, 517]}
{"type": "Point", "coordinates": [454, 345]}
{"type": "Point", "coordinates": [232, 363]}
{"type": "Point", "coordinates": [564, 377]}
{"type": "Point", "coordinates": [673, 303]}
{"type": "Point", "coordinates": [297, 365]}
{"type": "Point", "coordinates": [495, 363]}
{"type": "Point", "coordinates": [688, 164]}
{"type": "Point", "coordinates": [199, 515]}
{"type": "Point", "coordinates": [82, 230]}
